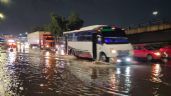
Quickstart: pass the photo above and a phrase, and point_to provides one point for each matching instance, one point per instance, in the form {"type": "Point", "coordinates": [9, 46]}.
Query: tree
{"type": "Point", "coordinates": [57, 26]}
{"type": "Point", "coordinates": [38, 28]}
{"type": "Point", "coordinates": [74, 22]}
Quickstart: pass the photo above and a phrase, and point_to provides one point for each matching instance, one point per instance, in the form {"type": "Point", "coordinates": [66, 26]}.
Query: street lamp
{"type": "Point", "coordinates": [2, 16]}
{"type": "Point", "coordinates": [155, 13]}
{"type": "Point", "coordinates": [155, 17]}
{"type": "Point", "coordinates": [5, 2]}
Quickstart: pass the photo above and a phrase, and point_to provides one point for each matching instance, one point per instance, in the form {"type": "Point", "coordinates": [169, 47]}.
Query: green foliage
{"type": "Point", "coordinates": [74, 22]}
{"type": "Point", "coordinates": [38, 28]}
{"type": "Point", "coordinates": [57, 25]}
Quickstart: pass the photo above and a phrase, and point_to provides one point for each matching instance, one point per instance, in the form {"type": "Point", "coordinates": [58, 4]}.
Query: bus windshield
{"type": "Point", "coordinates": [116, 40]}
{"type": "Point", "coordinates": [116, 36]}
{"type": "Point", "coordinates": [114, 33]}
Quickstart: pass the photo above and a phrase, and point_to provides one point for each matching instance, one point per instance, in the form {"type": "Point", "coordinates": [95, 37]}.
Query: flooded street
{"type": "Point", "coordinates": [45, 73]}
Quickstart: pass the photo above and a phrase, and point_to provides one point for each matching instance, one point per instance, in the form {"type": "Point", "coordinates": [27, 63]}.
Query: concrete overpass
{"type": "Point", "coordinates": [153, 33]}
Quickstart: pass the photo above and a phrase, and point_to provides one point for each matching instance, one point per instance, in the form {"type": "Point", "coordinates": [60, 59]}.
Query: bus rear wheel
{"type": "Point", "coordinates": [73, 53]}
{"type": "Point", "coordinates": [103, 58]}
{"type": "Point", "coordinates": [70, 52]}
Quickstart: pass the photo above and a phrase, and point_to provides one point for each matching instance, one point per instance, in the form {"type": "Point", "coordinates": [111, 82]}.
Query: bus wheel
{"type": "Point", "coordinates": [103, 58]}
{"type": "Point", "coordinates": [69, 52]}
{"type": "Point", "coordinates": [73, 52]}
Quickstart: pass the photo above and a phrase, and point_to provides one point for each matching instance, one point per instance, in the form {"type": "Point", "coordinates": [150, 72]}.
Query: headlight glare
{"type": "Point", "coordinates": [157, 53]}
{"type": "Point", "coordinates": [113, 51]}
{"type": "Point", "coordinates": [128, 59]}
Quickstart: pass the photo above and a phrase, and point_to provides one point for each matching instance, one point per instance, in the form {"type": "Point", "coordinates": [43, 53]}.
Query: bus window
{"type": "Point", "coordinates": [70, 36]}
{"type": "Point", "coordinates": [74, 37]}
{"type": "Point", "coordinates": [87, 36]}
{"type": "Point", "coordinates": [116, 36]}
{"type": "Point", "coordinates": [84, 36]}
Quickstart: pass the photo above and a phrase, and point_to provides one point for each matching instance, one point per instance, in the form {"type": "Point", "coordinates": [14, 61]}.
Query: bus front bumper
{"type": "Point", "coordinates": [125, 59]}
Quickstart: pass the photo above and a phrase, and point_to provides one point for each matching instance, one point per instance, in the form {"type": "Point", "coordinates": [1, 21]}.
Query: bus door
{"type": "Point", "coordinates": [94, 46]}
{"type": "Point", "coordinates": [66, 44]}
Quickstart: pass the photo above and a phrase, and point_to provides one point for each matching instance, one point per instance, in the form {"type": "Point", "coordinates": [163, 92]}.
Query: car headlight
{"type": "Point", "coordinates": [62, 46]}
{"type": "Point", "coordinates": [157, 53]}
{"type": "Point", "coordinates": [128, 59]}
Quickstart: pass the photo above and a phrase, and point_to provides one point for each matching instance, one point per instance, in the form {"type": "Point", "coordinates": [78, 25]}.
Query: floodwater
{"type": "Point", "coordinates": [45, 73]}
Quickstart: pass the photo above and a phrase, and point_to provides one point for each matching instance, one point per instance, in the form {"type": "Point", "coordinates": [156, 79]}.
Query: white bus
{"type": "Point", "coordinates": [99, 42]}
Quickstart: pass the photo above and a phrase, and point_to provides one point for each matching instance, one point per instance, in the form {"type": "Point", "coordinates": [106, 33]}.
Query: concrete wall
{"type": "Point", "coordinates": [156, 36]}
{"type": "Point", "coordinates": [150, 28]}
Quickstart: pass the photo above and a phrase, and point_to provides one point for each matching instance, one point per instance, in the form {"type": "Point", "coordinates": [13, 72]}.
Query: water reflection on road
{"type": "Point", "coordinates": [152, 79]}
{"type": "Point", "coordinates": [156, 73]}
{"type": "Point", "coordinates": [104, 81]}
{"type": "Point", "coordinates": [43, 73]}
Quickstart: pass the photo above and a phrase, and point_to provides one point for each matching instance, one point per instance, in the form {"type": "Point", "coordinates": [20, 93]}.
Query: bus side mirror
{"type": "Point", "coordinates": [99, 39]}
{"type": "Point", "coordinates": [98, 36]}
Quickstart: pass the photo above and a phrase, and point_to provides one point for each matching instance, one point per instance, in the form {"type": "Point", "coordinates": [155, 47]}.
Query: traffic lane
{"type": "Point", "coordinates": [139, 79]}
{"type": "Point", "coordinates": [38, 73]}
{"type": "Point", "coordinates": [151, 79]}
{"type": "Point", "coordinates": [42, 73]}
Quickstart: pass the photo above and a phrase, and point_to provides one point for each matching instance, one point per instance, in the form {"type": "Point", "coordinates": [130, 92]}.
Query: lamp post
{"type": "Point", "coordinates": [5, 2]}
{"type": "Point", "coordinates": [155, 13]}
{"type": "Point", "coordinates": [156, 20]}
{"type": "Point", "coordinates": [2, 16]}
{"type": "Point", "coordinates": [155, 16]}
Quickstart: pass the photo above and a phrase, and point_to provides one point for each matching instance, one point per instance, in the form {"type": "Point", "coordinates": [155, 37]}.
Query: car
{"type": "Point", "coordinates": [166, 50]}
{"type": "Point", "coordinates": [149, 52]}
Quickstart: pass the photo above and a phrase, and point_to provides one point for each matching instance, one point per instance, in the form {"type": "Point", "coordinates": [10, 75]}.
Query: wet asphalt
{"type": "Point", "coordinates": [45, 73]}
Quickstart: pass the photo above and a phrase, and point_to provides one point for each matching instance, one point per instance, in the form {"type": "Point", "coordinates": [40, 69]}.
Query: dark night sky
{"type": "Point", "coordinates": [22, 15]}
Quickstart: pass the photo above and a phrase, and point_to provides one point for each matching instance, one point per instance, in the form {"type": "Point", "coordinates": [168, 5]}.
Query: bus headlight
{"type": "Point", "coordinates": [118, 60]}
{"type": "Point", "coordinates": [113, 51]}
